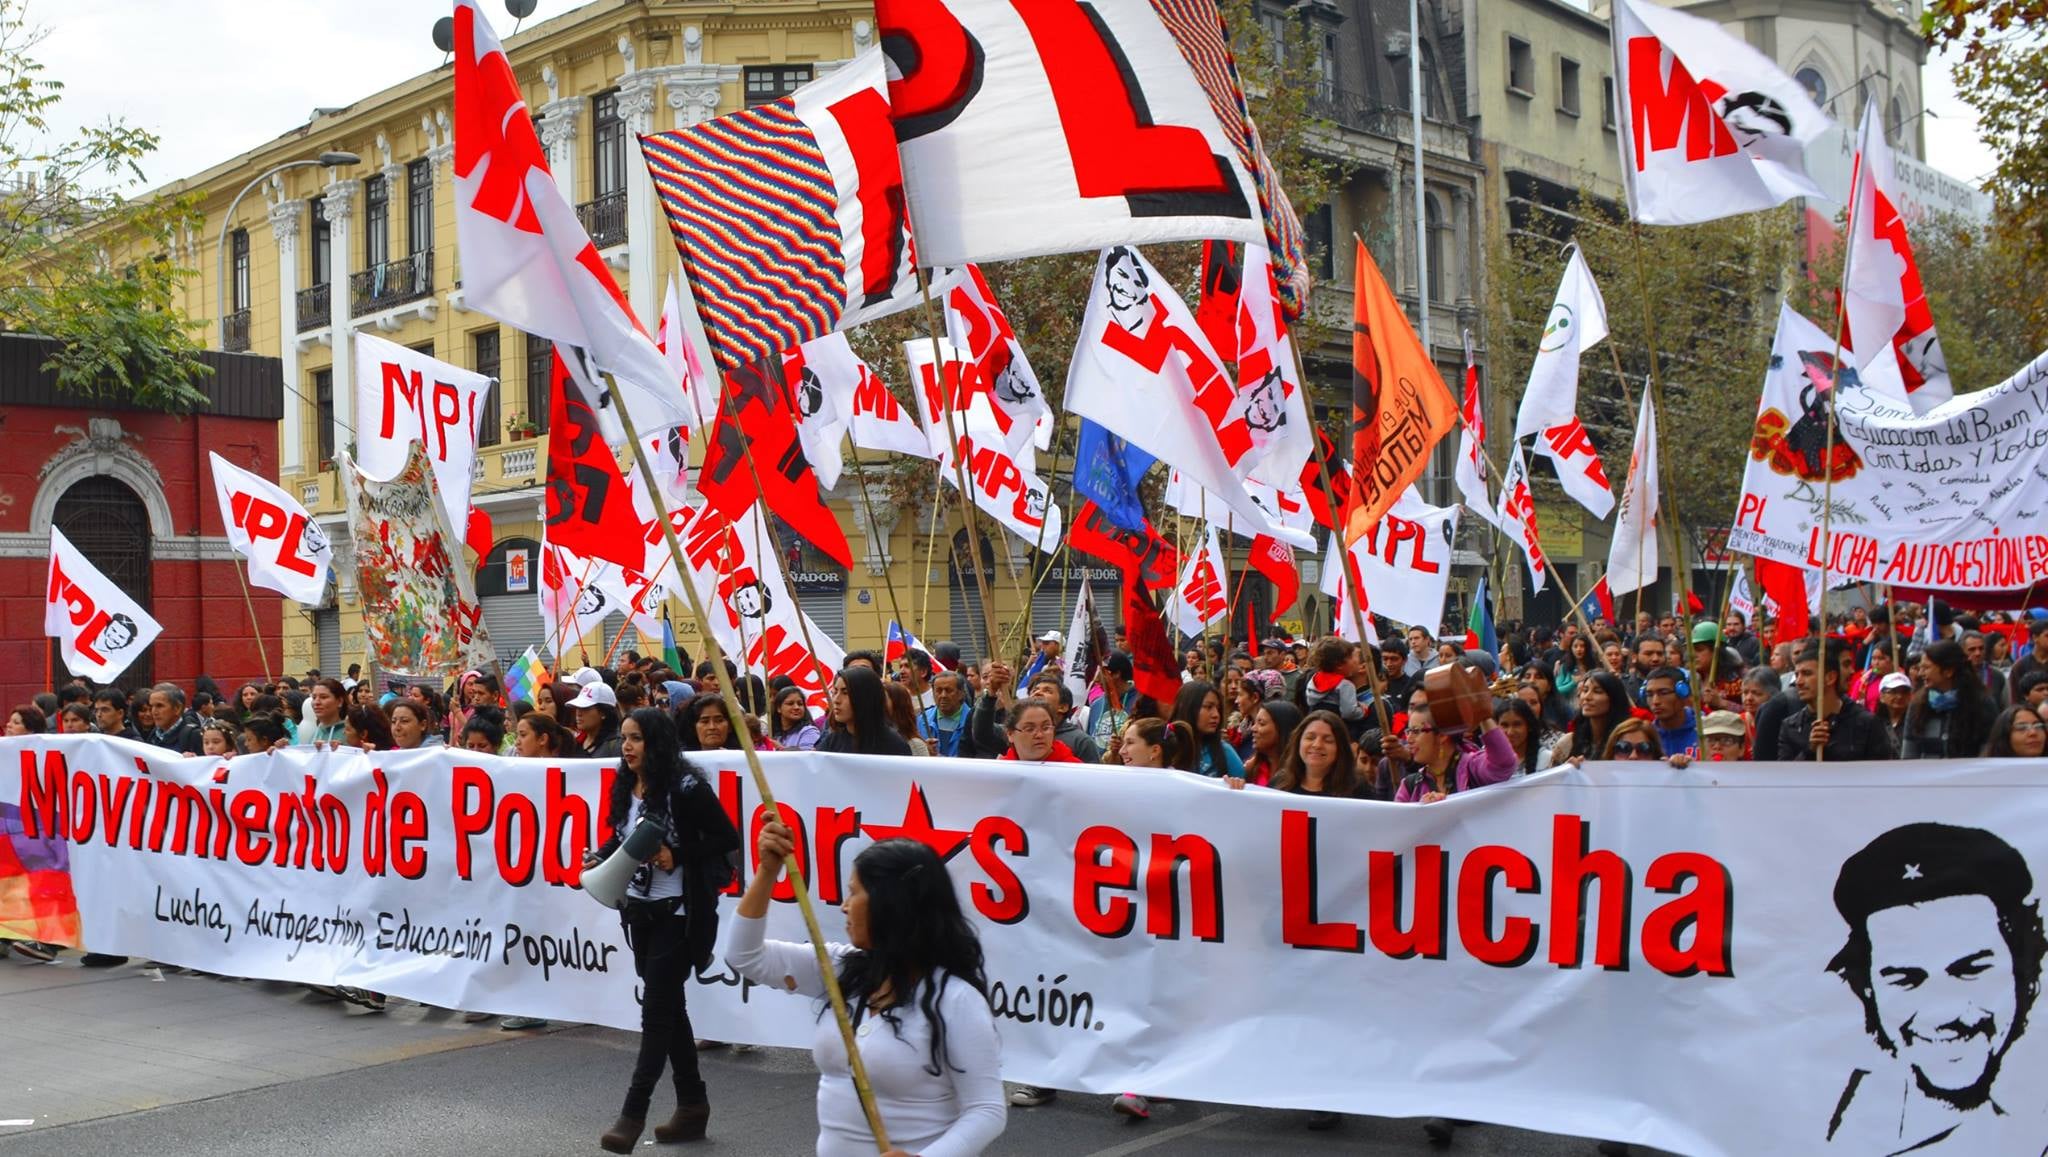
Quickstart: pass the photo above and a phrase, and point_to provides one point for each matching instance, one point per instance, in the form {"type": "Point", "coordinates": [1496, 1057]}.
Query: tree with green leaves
{"type": "Point", "coordinates": [119, 333]}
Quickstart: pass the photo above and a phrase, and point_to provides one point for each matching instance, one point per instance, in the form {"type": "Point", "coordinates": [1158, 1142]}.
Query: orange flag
{"type": "Point", "coordinates": [1400, 406]}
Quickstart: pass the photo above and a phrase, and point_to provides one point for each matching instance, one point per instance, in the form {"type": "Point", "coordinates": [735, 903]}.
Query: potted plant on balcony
{"type": "Point", "coordinates": [523, 427]}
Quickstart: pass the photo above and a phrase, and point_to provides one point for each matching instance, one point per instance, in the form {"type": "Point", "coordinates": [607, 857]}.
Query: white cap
{"type": "Point", "coordinates": [595, 695]}
{"type": "Point", "coordinates": [1895, 681]}
{"type": "Point", "coordinates": [1052, 637]}
{"type": "Point", "coordinates": [586, 676]}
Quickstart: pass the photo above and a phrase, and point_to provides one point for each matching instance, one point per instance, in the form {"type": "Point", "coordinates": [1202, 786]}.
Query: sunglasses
{"type": "Point", "coordinates": [2030, 727]}
{"type": "Point", "coordinates": [1626, 749]}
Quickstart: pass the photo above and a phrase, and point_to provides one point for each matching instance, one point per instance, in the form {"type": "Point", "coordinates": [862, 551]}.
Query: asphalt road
{"type": "Point", "coordinates": [120, 1062]}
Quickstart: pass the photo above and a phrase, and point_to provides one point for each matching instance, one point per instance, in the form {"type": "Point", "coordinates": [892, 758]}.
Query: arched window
{"type": "Point", "coordinates": [1434, 227]}
{"type": "Point", "coordinates": [1815, 84]}
{"type": "Point", "coordinates": [1896, 119]}
{"type": "Point", "coordinates": [109, 525]}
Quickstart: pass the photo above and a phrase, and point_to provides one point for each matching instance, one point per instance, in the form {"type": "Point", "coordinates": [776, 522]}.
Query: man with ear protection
{"type": "Point", "coordinates": [1668, 695]}
{"type": "Point", "coordinates": [1845, 730]}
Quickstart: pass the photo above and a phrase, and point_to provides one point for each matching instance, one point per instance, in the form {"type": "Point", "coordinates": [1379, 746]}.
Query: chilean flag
{"type": "Point", "coordinates": [900, 641]}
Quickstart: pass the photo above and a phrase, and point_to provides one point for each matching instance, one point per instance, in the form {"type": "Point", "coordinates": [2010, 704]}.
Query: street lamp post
{"type": "Point", "coordinates": [326, 160]}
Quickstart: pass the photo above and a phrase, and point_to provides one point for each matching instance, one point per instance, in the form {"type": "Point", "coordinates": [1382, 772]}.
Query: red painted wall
{"type": "Point", "coordinates": [206, 624]}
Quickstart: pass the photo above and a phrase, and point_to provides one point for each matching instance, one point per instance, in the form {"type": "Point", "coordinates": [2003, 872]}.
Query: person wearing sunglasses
{"type": "Point", "coordinates": [2018, 733]}
{"type": "Point", "coordinates": [1635, 741]}
{"type": "Point", "coordinates": [1453, 763]}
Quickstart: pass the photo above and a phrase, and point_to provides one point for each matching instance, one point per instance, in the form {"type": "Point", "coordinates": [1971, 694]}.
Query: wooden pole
{"type": "Point", "coordinates": [1679, 569]}
{"type": "Point", "coordinates": [862, 1088]}
{"type": "Point", "coordinates": [261, 650]}
{"type": "Point", "coordinates": [953, 430]}
{"type": "Point", "coordinates": [860, 481]}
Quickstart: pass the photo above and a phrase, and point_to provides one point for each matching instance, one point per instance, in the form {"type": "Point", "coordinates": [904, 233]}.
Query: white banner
{"type": "Point", "coordinates": [99, 629]}
{"type": "Point", "coordinates": [404, 396]}
{"type": "Point", "coordinates": [1954, 499]}
{"type": "Point", "coordinates": [286, 550]}
{"type": "Point", "coordinates": [1405, 561]}
{"type": "Point", "coordinates": [1617, 952]}
{"type": "Point", "coordinates": [1550, 403]}
{"type": "Point", "coordinates": [1632, 558]}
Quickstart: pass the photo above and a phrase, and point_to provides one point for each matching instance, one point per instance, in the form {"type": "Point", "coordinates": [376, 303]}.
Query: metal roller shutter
{"type": "Point", "coordinates": [327, 630]}
{"type": "Point", "coordinates": [515, 624]}
{"type": "Point", "coordinates": [969, 629]}
{"type": "Point", "coordinates": [827, 610]}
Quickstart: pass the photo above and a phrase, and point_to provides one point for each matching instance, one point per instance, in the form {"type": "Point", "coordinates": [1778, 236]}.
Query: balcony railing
{"type": "Point", "coordinates": [315, 306]}
{"type": "Point", "coordinates": [1353, 110]}
{"type": "Point", "coordinates": [392, 283]}
{"type": "Point", "coordinates": [234, 332]}
{"type": "Point", "coordinates": [605, 219]}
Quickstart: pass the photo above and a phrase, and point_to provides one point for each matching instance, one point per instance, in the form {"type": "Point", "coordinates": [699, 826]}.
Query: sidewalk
{"type": "Point", "coordinates": [81, 1043]}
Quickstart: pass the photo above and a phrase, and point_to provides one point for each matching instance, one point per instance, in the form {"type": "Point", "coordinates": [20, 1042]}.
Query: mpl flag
{"type": "Point", "coordinates": [1632, 558]}
{"type": "Point", "coordinates": [1203, 594]}
{"type": "Point", "coordinates": [1710, 127]}
{"type": "Point", "coordinates": [285, 549]}
{"type": "Point", "coordinates": [1340, 588]}
{"type": "Point", "coordinates": [1518, 518]}
{"type": "Point", "coordinates": [1740, 600]}
{"type": "Point", "coordinates": [588, 509]}
{"type": "Point", "coordinates": [1056, 128]}
{"type": "Point", "coordinates": [1405, 561]}
{"type": "Point", "coordinates": [1270, 399]}
{"type": "Point", "coordinates": [1472, 466]}
{"type": "Point", "coordinates": [1005, 482]}
{"type": "Point", "coordinates": [1550, 404]}
{"type": "Point", "coordinates": [1400, 407]}
{"type": "Point", "coordinates": [978, 328]}
{"type": "Point", "coordinates": [526, 259]}
{"type": "Point", "coordinates": [874, 418]}
{"type": "Point", "coordinates": [98, 628]}
{"type": "Point", "coordinates": [789, 214]}
{"type": "Point", "coordinates": [404, 396]}
{"type": "Point", "coordinates": [1143, 370]}
{"type": "Point", "coordinates": [573, 600]}
{"type": "Point", "coordinates": [1881, 290]}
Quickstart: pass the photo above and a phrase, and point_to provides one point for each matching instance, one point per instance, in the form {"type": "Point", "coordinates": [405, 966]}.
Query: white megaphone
{"type": "Point", "coordinates": [606, 883]}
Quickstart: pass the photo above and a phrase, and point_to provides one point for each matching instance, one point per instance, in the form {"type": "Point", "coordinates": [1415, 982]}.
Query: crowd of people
{"type": "Point", "coordinates": [1328, 718]}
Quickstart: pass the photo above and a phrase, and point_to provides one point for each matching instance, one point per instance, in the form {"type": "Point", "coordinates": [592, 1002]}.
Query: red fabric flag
{"type": "Point", "coordinates": [1693, 605]}
{"type": "Point", "coordinates": [755, 418]}
{"type": "Point", "coordinates": [1147, 557]}
{"type": "Point", "coordinates": [1785, 586]}
{"type": "Point", "coordinates": [1156, 670]}
{"type": "Point", "coordinates": [1216, 312]}
{"type": "Point", "coordinates": [480, 534]}
{"type": "Point", "coordinates": [1319, 480]}
{"type": "Point", "coordinates": [589, 510]}
{"type": "Point", "coordinates": [1275, 560]}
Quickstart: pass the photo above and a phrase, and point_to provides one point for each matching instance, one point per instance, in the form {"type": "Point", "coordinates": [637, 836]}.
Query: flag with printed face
{"type": "Point", "coordinates": [1270, 399]}
{"type": "Point", "coordinates": [820, 424]}
{"type": "Point", "coordinates": [789, 214]}
{"type": "Point", "coordinates": [1202, 595]}
{"type": "Point", "coordinates": [1005, 482]}
{"type": "Point", "coordinates": [573, 600]}
{"type": "Point", "coordinates": [1056, 128]}
{"type": "Point", "coordinates": [861, 399]}
{"type": "Point", "coordinates": [526, 259]}
{"type": "Point", "coordinates": [1550, 404]}
{"type": "Point", "coordinates": [98, 628]}
{"type": "Point", "coordinates": [404, 396]}
{"type": "Point", "coordinates": [1471, 470]}
{"type": "Point", "coordinates": [1632, 555]}
{"type": "Point", "coordinates": [1143, 370]}
{"type": "Point", "coordinates": [756, 454]}
{"type": "Point", "coordinates": [285, 549]}
{"type": "Point", "coordinates": [981, 333]}
{"type": "Point", "coordinates": [1710, 127]}
{"type": "Point", "coordinates": [1400, 407]}
{"type": "Point", "coordinates": [1881, 291]}
{"type": "Point", "coordinates": [1518, 518]}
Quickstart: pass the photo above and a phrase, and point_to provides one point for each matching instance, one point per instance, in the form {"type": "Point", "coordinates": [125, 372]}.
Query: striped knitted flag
{"type": "Point", "coordinates": [789, 215]}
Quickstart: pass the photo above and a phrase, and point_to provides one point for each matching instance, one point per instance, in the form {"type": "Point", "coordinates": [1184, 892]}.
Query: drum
{"type": "Point", "coordinates": [1459, 698]}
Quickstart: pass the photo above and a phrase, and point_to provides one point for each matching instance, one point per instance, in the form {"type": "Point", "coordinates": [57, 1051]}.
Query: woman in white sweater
{"type": "Point", "coordinates": [914, 987]}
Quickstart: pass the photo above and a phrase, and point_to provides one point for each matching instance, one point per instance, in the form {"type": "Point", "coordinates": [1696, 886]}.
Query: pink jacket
{"type": "Point", "coordinates": [1493, 761]}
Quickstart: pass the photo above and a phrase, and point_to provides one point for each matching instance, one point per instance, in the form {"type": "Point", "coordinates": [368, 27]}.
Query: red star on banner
{"type": "Point", "coordinates": [917, 825]}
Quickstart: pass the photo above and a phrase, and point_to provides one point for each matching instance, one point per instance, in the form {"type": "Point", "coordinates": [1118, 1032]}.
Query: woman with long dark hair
{"type": "Point", "coordinates": [913, 980]}
{"type": "Point", "coordinates": [1579, 661]}
{"type": "Point", "coordinates": [790, 723]}
{"type": "Point", "coordinates": [860, 720]}
{"type": "Point", "coordinates": [1201, 708]}
{"type": "Point", "coordinates": [1551, 709]}
{"type": "Point", "coordinates": [1525, 734]}
{"type": "Point", "coordinates": [1320, 760]}
{"type": "Point", "coordinates": [2018, 733]}
{"type": "Point", "coordinates": [670, 915]}
{"type": "Point", "coordinates": [369, 729]}
{"type": "Point", "coordinates": [1603, 702]}
{"type": "Point", "coordinates": [703, 725]}
{"type": "Point", "coordinates": [902, 712]}
{"type": "Point", "coordinates": [1951, 714]}
{"type": "Point", "coordinates": [1272, 725]}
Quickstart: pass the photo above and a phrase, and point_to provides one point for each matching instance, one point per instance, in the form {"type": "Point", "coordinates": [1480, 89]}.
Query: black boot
{"type": "Point", "coordinates": [687, 1125]}
{"type": "Point", "coordinates": [623, 1135]}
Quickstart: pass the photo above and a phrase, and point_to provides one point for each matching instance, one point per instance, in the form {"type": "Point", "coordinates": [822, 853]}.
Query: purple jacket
{"type": "Point", "coordinates": [1491, 762]}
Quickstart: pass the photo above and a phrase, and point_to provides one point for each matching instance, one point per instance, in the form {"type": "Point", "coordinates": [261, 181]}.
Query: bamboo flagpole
{"type": "Point", "coordinates": [953, 432]}
{"type": "Point", "coordinates": [716, 653]}
{"type": "Point", "coordinates": [262, 651]}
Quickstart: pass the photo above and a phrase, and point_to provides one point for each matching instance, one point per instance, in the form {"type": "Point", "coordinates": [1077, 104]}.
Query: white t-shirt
{"type": "Point", "coordinates": [956, 1114]}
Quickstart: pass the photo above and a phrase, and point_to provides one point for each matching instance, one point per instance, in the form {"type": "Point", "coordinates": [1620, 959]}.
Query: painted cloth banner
{"type": "Point", "coordinates": [1627, 951]}
{"type": "Point", "coordinates": [405, 397]}
{"type": "Point", "coordinates": [98, 628]}
{"type": "Point", "coordinates": [1954, 499]}
{"type": "Point", "coordinates": [421, 616]}
{"type": "Point", "coordinates": [286, 550]}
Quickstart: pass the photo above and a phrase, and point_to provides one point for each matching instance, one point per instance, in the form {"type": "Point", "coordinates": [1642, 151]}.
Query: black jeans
{"type": "Point", "coordinates": [660, 959]}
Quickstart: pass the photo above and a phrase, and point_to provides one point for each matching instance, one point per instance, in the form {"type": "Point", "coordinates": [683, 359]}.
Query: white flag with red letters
{"type": "Point", "coordinates": [526, 259]}
{"type": "Point", "coordinates": [1203, 594]}
{"type": "Point", "coordinates": [1518, 517]}
{"type": "Point", "coordinates": [977, 327]}
{"type": "Point", "coordinates": [866, 408]}
{"type": "Point", "coordinates": [1550, 404]}
{"type": "Point", "coordinates": [1710, 127]}
{"type": "Point", "coordinates": [286, 550]}
{"type": "Point", "coordinates": [1005, 482]}
{"type": "Point", "coordinates": [404, 396]}
{"type": "Point", "coordinates": [1632, 555]}
{"type": "Point", "coordinates": [1881, 290]}
{"type": "Point", "coordinates": [98, 628]}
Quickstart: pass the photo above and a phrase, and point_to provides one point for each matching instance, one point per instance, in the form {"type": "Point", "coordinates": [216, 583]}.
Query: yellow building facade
{"type": "Point", "coordinates": [314, 253]}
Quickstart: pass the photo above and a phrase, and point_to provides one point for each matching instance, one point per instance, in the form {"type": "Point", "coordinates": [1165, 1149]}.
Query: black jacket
{"type": "Point", "coordinates": [707, 857]}
{"type": "Point", "coordinates": [838, 742]}
{"type": "Point", "coordinates": [1770, 721]}
{"type": "Point", "coordinates": [182, 737]}
{"type": "Point", "coordinates": [1853, 734]}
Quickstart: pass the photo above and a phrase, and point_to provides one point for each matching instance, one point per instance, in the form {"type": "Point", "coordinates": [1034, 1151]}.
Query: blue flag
{"type": "Point", "coordinates": [1107, 471]}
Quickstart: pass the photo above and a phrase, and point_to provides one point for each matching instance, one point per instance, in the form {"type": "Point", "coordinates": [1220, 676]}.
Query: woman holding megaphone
{"type": "Point", "coordinates": [670, 912]}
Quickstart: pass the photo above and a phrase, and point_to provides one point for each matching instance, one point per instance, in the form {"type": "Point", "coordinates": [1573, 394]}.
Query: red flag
{"type": "Point", "coordinates": [1693, 605]}
{"type": "Point", "coordinates": [1319, 481]}
{"type": "Point", "coordinates": [1275, 560]}
{"type": "Point", "coordinates": [480, 533]}
{"type": "Point", "coordinates": [1785, 586]}
{"type": "Point", "coordinates": [1216, 312]}
{"type": "Point", "coordinates": [589, 511]}
{"type": "Point", "coordinates": [1147, 557]}
{"type": "Point", "coordinates": [1157, 672]}
{"type": "Point", "coordinates": [756, 419]}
